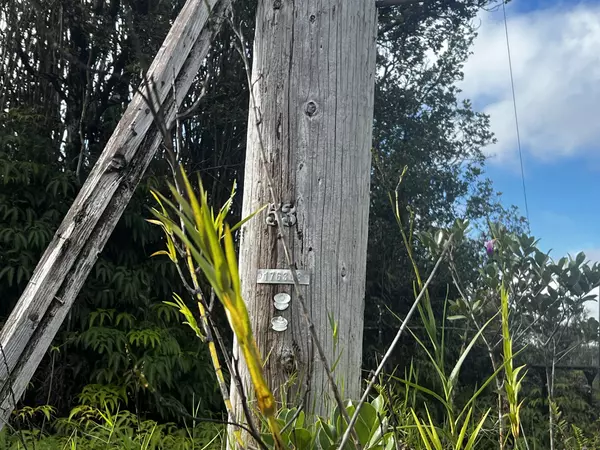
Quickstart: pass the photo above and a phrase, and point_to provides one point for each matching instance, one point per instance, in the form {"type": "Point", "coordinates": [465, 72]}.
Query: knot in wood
{"type": "Point", "coordinates": [288, 361]}
{"type": "Point", "coordinates": [117, 163]}
{"type": "Point", "coordinates": [34, 318]}
{"type": "Point", "coordinates": [311, 108]}
{"type": "Point", "coordinates": [277, 4]}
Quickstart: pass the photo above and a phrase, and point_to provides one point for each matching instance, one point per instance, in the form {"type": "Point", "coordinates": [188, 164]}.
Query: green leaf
{"type": "Point", "coordinates": [326, 434]}
{"type": "Point", "coordinates": [463, 430]}
{"type": "Point", "coordinates": [422, 389]}
{"type": "Point", "coordinates": [379, 404]}
{"type": "Point", "coordinates": [456, 317]}
{"type": "Point", "coordinates": [421, 428]}
{"type": "Point", "coordinates": [475, 433]}
{"type": "Point", "coordinates": [301, 438]}
{"type": "Point", "coordinates": [456, 370]}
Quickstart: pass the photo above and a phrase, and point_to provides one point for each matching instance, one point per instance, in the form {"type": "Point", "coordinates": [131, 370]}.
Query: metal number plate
{"type": "Point", "coordinates": [281, 276]}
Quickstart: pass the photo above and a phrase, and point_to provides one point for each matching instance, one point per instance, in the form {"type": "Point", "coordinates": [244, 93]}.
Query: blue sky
{"type": "Point", "coordinates": [555, 47]}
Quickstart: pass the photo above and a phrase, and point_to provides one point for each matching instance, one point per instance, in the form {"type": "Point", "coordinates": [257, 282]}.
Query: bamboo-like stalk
{"type": "Point", "coordinates": [212, 349]}
{"type": "Point", "coordinates": [208, 239]}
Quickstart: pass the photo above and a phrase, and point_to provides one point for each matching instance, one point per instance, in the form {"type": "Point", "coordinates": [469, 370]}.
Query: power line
{"type": "Point", "coordinates": [512, 84]}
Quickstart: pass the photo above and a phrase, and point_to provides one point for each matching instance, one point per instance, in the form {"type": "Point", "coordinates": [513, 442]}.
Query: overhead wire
{"type": "Point", "coordinates": [514, 98]}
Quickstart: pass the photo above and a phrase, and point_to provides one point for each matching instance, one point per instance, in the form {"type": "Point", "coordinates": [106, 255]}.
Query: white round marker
{"type": "Point", "coordinates": [282, 301]}
{"type": "Point", "coordinates": [279, 323]}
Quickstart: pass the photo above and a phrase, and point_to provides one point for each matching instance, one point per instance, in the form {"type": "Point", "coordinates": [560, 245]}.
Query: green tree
{"type": "Point", "coordinates": [547, 307]}
{"type": "Point", "coordinates": [421, 124]}
{"type": "Point", "coordinates": [68, 71]}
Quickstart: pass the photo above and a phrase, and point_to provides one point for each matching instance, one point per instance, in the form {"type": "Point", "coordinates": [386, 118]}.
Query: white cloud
{"type": "Point", "coordinates": [556, 68]}
{"type": "Point", "coordinates": [594, 256]}
{"type": "Point", "coordinates": [592, 306]}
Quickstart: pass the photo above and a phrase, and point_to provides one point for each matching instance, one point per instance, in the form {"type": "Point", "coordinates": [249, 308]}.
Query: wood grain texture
{"type": "Point", "coordinates": [65, 265]}
{"type": "Point", "coordinates": [313, 80]}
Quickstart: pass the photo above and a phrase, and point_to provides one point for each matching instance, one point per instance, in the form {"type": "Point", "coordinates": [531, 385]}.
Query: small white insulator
{"type": "Point", "coordinates": [279, 323]}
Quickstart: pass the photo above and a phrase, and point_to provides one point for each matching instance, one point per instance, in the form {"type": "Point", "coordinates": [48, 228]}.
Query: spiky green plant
{"type": "Point", "coordinates": [513, 378]}
{"type": "Point", "coordinates": [208, 241]}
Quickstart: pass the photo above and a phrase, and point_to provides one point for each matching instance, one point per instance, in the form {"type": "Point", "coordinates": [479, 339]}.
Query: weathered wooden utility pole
{"type": "Point", "coordinates": [313, 81]}
{"type": "Point", "coordinates": [89, 223]}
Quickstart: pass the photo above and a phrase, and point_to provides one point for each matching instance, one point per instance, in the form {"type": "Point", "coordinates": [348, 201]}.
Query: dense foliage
{"type": "Point", "coordinates": [120, 339]}
{"type": "Point", "coordinates": [68, 69]}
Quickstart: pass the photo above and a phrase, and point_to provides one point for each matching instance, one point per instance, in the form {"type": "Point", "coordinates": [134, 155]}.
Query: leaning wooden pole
{"type": "Point", "coordinates": [65, 265]}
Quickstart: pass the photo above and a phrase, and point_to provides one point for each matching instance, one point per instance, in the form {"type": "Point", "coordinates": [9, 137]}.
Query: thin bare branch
{"type": "Point", "coordinates": [191, 111]}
